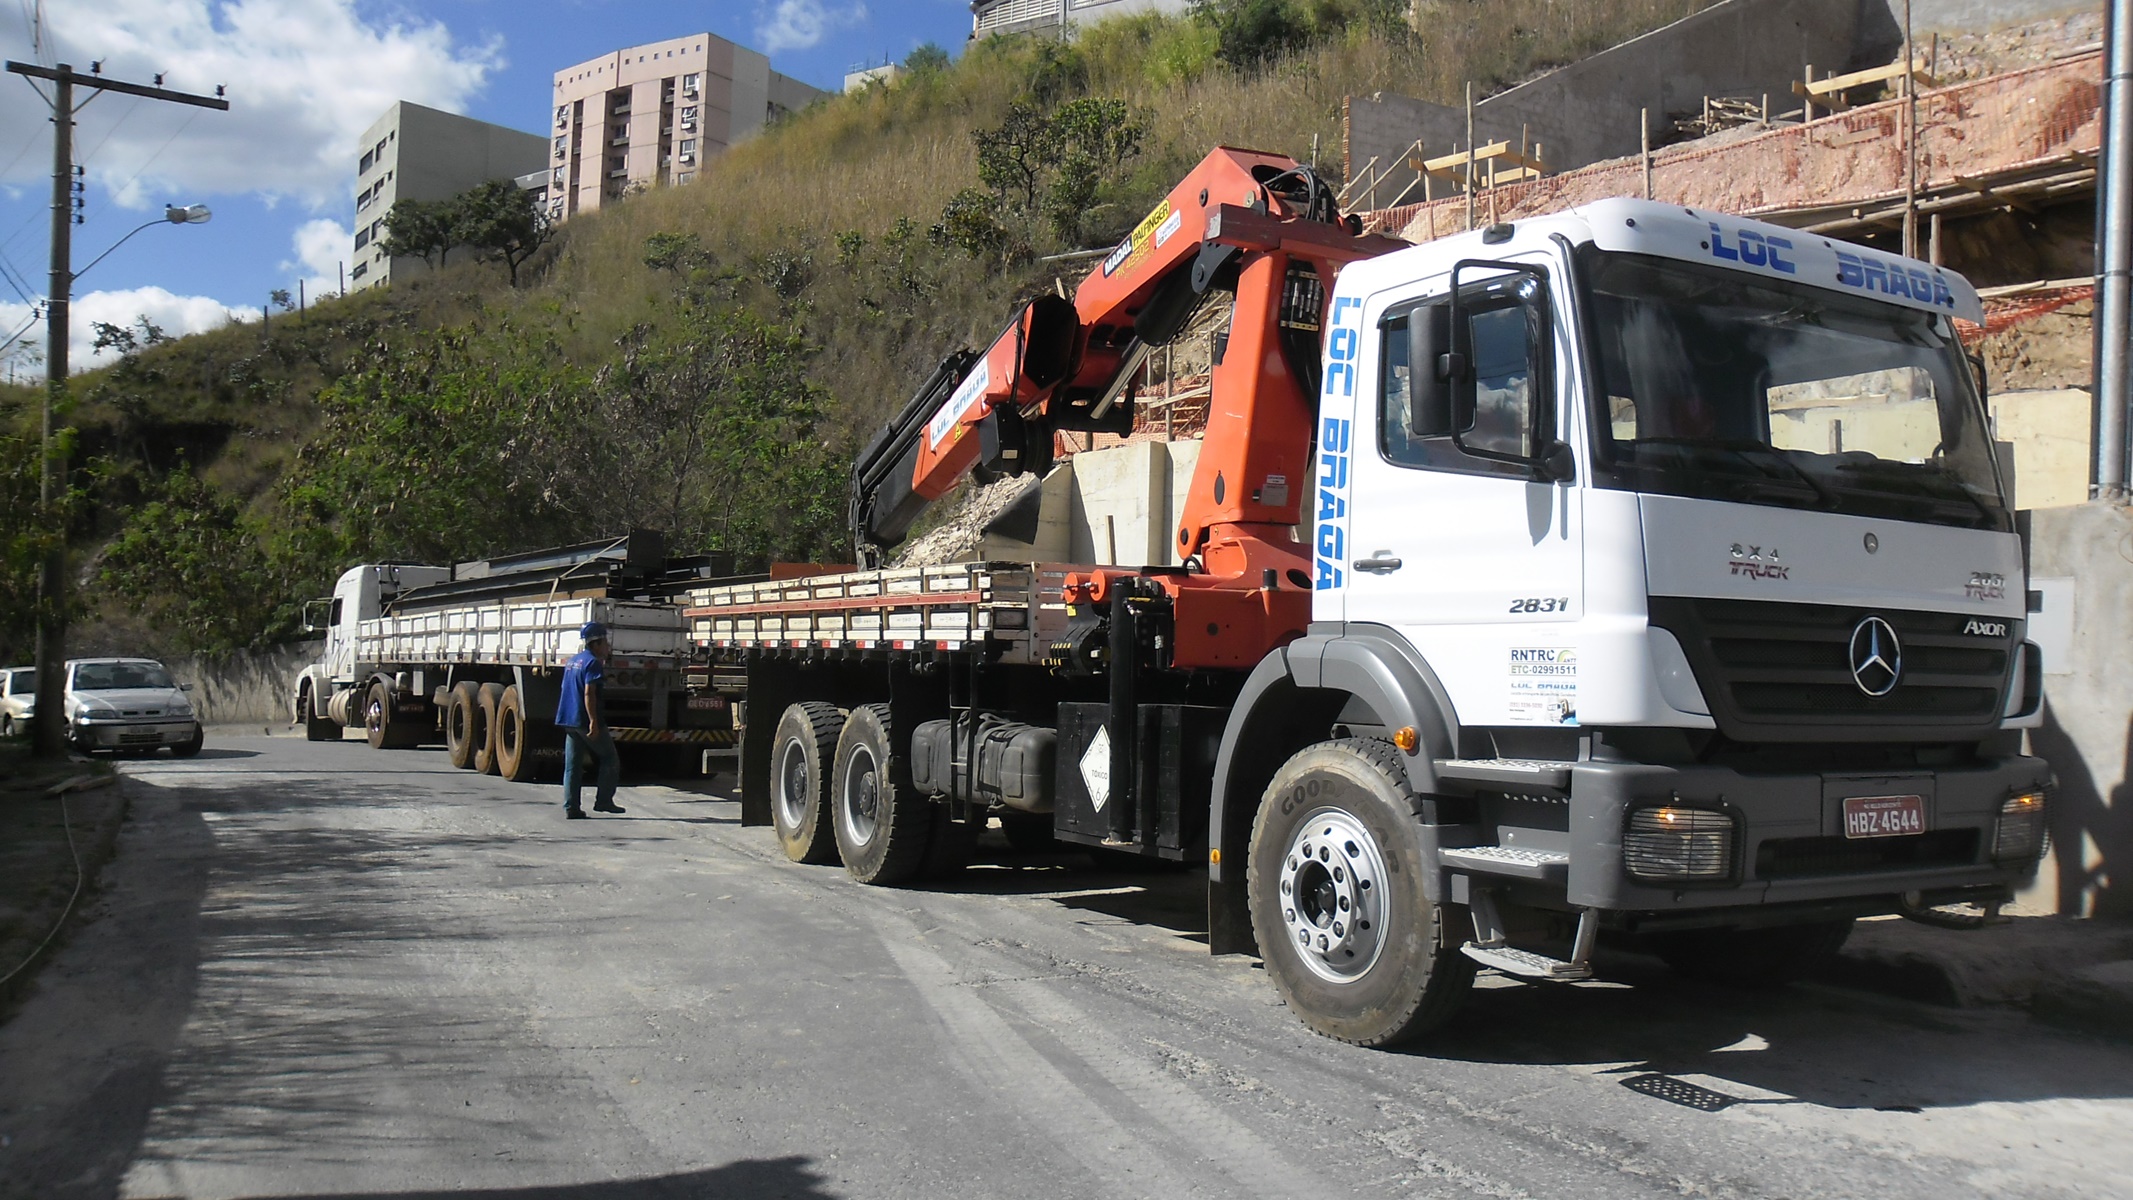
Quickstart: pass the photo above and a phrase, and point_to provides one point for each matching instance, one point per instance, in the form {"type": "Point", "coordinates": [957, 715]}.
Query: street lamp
{"type": "Point", "coordinates": [189, 214]}
{"type": "Point", "coordinates": [50, 730]}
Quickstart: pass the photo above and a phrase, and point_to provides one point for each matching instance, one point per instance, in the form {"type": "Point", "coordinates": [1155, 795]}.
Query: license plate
{"type": "Point", "coordinates": [713, 703]}
{"type": "Point", "coordinates": [1884, 816]}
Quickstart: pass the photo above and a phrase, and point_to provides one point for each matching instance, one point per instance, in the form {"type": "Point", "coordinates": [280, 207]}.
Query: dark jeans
{"type": "Point", "coordinates": [606, 759]}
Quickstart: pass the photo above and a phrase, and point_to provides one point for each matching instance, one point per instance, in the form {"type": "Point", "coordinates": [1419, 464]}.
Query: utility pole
{"type": "Point", "coordinates": [50, 733]}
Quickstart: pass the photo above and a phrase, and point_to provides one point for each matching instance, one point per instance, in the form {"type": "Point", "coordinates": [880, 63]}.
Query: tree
{"type": "Point", "coordinates": [1014, 156]}
{"type": "Point", "coordinates": [421, 229]}
{"type": "Point", "coordinates": [1095, 136]}
{"type": "Point", "coordinates": [501, 220]}
{"type": "Point", "coordinates": [927, 57]}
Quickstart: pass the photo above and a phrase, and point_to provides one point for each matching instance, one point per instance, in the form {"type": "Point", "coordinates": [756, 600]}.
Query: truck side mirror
{"type": "Point", "coordinates": [1436, 373]}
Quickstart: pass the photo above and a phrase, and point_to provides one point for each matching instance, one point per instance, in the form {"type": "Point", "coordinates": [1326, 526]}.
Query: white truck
{"type": "Point", "coordinates": [1655, 576]}
{"type": "Point", "coordinates": [471, 655]}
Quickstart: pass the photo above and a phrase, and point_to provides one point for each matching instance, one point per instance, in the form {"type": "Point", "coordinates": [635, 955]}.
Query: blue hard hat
{"type": "Point", "coordinates": [593, 632]}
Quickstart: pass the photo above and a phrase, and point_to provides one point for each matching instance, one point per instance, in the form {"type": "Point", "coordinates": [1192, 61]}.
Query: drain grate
{"type": "Point", "coordinates": [1679, 1091]}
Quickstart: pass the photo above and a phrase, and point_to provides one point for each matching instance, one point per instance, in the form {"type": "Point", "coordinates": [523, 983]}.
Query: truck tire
{"type": "Point", "coordinates": [1752, 958]}
{"type": "Point", "coordinates": [882, 823]}
{"type": "Point", "coordinates": [462, 725]}
{"type": "Point", "coordinates": [1335, 879]}
{"type": "Point", "coordinates": [515, 758]}
{"type": "Point", "coordinates": [800, 757]}
{"type": "Point", "coordinates": [953, 842]}
{"type": "Point", "coordinates": [377, 716]}
{"type": "Point", "coordinates": [489, 697]}
{"type": "Point", "coordinates": [316, 727]}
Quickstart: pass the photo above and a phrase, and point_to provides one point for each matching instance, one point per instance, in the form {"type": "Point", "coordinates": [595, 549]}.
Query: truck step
{"type": "Point", "coordinates": [1548, 866]}
{"type": "Point", "coordinates": [1513, 961]}
{"type": "Point", "coordinates": [1505, 772]}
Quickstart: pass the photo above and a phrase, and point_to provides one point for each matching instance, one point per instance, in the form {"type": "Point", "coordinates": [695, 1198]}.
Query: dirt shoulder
{"type": "Point", "coordinates": [59, 824]}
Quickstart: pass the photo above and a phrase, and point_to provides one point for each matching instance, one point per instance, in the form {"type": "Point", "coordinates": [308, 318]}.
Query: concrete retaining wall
{"type": "Point", "coordinates": [2081, 558]}
{"type": "Point", "coordinates": [248, 688]}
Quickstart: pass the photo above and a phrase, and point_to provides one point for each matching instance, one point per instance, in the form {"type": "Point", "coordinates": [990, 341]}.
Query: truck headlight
{"type": "Point", "coordinates": [1672, 843]}
{"type": "Point", "coordinates": [2020, 833]}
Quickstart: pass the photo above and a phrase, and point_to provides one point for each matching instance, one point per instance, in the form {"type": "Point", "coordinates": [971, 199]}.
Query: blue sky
{"type": "Point", "coordinates": [304, 78]}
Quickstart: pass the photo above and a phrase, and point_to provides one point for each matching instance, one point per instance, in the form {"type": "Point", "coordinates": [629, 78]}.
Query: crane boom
{"type": "Point", "coordinates": [1257, 224]}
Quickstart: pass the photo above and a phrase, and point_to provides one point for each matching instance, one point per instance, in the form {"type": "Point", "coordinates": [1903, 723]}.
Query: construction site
{"type": "Point", "coordinates": [1969, 138]}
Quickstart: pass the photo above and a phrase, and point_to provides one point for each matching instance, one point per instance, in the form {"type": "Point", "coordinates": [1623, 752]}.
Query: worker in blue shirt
{"type": "Point", "coordinates": [582, 719]}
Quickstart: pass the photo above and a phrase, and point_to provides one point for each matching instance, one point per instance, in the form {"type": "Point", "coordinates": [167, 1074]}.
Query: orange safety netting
{"type": "Point", "coordinates": [2005, 312]}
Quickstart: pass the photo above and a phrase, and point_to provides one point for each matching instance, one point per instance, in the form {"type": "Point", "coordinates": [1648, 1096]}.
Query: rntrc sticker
{"type": "Point", "coordinates": [1544, 685]}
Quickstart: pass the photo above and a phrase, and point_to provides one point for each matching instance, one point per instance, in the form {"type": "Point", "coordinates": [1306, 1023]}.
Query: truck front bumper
{"type": "Point", "coordinates": [1788, 851]}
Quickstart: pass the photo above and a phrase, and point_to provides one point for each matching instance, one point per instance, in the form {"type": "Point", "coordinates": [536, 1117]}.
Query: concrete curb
{"type": "Point", "coordinates": [2074, 973]}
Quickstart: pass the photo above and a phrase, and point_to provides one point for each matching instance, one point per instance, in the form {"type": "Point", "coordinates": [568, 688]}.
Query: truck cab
{"type": "Point", "coordinates": [1673, 551]}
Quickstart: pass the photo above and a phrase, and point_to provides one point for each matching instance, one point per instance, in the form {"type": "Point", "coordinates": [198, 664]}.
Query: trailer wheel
{"type": "Point", "coordinates": [1752, 958]}
{"type": "Point", "coordinates": [316, 727]}
{"type": "Point", "coordinates": [882, 823]}
{"type": "Point", "coordinates": [1349, 936]}
{"type": "Point", "coordinates": [515, 759]}
{"type": "Point", "coordinates": [489, 698]}
{"type": "Point", "coordinates": [801, 756]}
{"type": "Point", "coordinates": [462, 725]}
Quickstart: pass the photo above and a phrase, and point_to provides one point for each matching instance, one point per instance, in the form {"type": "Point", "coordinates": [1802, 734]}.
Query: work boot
{"type": "Point", "coordinates": [608, 806]}
{"type": "Point", "coordinates": [574, 814]}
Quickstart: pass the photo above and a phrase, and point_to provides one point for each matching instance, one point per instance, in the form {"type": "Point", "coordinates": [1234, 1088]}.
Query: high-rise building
{"type": "Point", "coordinates": [654, 114]}
{"type": "Point", "coordinates": [419, 153]}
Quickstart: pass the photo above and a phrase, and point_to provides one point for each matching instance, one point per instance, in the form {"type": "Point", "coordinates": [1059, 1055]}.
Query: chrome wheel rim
{"type": "Point", "coordinates": [860, 803]}
{"type": "Point", "coordinates": [1333, 902]}
{"type": "Point", "coordinates": [793, 789]}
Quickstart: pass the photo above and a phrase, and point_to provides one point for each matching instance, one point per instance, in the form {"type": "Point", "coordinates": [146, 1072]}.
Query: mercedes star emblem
{"type": "Point", "coordinates": [1877, 657]}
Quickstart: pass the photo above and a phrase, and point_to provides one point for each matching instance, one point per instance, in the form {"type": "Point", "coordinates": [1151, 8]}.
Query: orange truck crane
{"type": "Point", "coordinates": [1659, 580]}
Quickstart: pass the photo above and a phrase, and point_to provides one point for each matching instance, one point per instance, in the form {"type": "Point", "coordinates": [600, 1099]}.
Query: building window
{"type": "Point", "coordinates": [562, 113]}
{"type": "Point", "coordinates": [562, 146]}
{"type": "Point", "coordinates": [685, 177]}
{"type": "Point", "coordinates": [689, 113]}
{"type": "Point", "coordinates": [361, 269]}
{"type": "Point", "coordinates": [689, 83]}
{"type": "Point", "coordinates": [368, 161]}
{"type": "Point", "coordinates": [380, 151]}
{"type": "Point", "coordinates": [558, 176]}
{"type": "Point", "coordinates": [362, 238]}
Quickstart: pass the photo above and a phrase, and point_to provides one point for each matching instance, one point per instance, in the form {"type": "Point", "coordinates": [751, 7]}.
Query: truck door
{"type": "Point", "coordinates": [1458, 537]}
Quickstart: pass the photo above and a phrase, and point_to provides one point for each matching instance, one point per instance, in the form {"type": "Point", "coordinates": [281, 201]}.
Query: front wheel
{"type": "Point", "coordinates": [316, 727]}
{"type": "Point", "coordinates": [1348, 932]}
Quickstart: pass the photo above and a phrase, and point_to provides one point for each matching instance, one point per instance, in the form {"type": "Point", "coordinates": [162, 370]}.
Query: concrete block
{"type": "Point", "coordinates": [2050, 432]}
{"type": "Point", "coordinates": [1184, 460]}
{"type": "Point", "coordinates": [1121, 505]}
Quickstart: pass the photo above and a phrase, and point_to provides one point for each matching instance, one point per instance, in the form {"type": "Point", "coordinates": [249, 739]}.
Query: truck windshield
{"type": "Point", "coordinates": [1729, 387]}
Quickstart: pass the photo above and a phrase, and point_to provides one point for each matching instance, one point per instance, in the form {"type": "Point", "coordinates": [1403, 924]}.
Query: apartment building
{"type": "Point", "coordinates": [418, 153]}
{"type": "Point", "coordinates": [654, 114]}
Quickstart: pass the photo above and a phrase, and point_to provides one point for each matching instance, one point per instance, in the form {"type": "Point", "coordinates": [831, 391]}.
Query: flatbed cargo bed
{"type": "Point", "coordinates": [1007, 608]}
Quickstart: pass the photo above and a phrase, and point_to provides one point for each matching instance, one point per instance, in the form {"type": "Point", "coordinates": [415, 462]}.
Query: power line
{"type": "Point", "coordinates": [112, 193]}
{"type": "Point", "coordinates": [13, 274]}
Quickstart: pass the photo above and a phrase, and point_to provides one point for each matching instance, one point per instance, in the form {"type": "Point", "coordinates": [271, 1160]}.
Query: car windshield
{"type": "Point", "coordinates": [109, 677]}
{"type": "Point", "coordinates": [1730, 387]}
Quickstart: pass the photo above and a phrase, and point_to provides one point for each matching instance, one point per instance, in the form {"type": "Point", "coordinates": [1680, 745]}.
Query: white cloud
{"type": "Point", "coordinates": [801, 24]}
{"type": "Point", "coordinates": [305, 78]}
{"type": "Point", "coordinates": [322, 247]}
{"type": "Point", "coordinates": [176, 315]}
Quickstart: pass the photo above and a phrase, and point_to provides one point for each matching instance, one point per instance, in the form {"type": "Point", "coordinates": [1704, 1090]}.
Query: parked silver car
{"type": "Point", "coordinates": [128, 704]}
{"type": "Point", "coordinates": [18, 700]}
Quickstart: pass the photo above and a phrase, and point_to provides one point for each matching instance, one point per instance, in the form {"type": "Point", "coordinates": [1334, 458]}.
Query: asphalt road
{"type": "Point", "coordinates": [321, 970]}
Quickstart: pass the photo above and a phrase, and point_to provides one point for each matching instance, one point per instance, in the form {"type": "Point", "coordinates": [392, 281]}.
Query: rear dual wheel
{"type": "Point", "coordinates": [489, 699]}
{"type": "Point", "coordinates": [516, 738]}
{"type": "Point", "coordinates": [801, 757]}
{"type": "Point", "coordinates": [882, 823]}
{"type": "Point", "coordinates": [464, 730]}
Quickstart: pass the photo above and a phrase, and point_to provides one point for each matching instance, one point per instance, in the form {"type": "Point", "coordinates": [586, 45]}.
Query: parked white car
{"type": "Point", "coordinates": [128, 704]}
{"type": "Point", "coordinates": [18, 700]}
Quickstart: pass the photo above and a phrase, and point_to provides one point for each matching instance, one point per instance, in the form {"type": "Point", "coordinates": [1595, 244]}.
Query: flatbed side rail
{"type": "Point", "coordinates": [905, 608]}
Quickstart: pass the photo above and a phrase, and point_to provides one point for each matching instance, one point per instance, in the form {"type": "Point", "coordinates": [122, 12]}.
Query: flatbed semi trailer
{"type": "Point", "coordinates": [472, 656]}
{"type": "Point", "coordinates": [1657, 578]}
